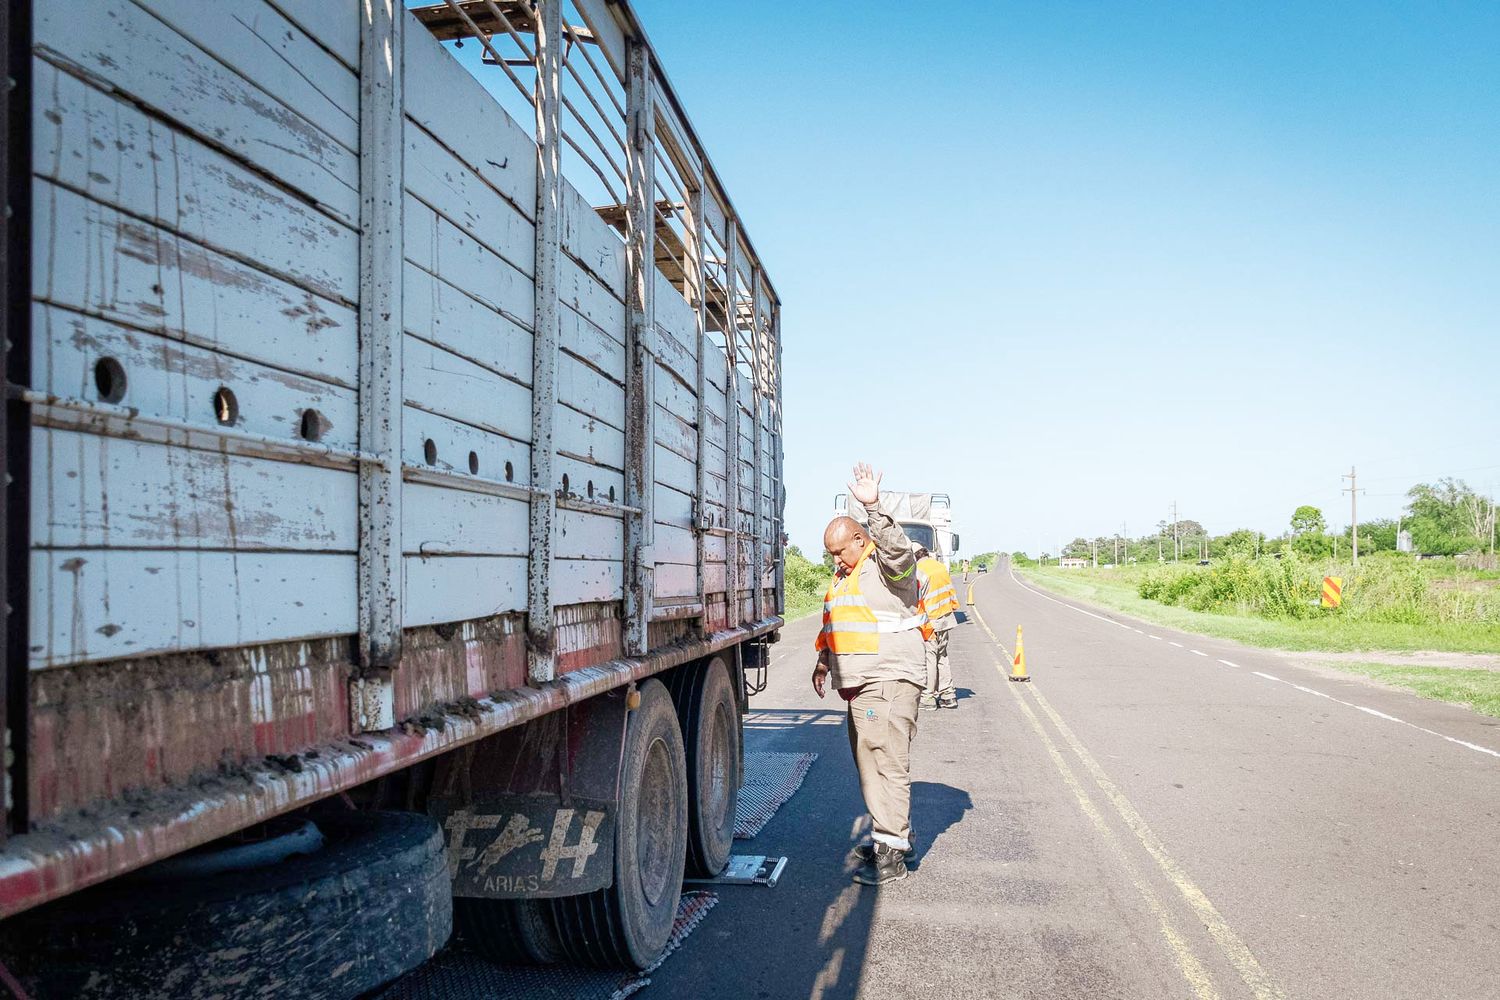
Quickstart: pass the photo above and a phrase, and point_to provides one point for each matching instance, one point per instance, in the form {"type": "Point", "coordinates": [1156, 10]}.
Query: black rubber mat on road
{"type": "Point", "coordinates": [770, 779]}
{"type": "Point", "coordinates": [458, 974]}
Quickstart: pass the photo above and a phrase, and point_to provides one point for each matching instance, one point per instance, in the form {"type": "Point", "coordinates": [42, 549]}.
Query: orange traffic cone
{"type": "Point", "coordinates": [1018, 665]}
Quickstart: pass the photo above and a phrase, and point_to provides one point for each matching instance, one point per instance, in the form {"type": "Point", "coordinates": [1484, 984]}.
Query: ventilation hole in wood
{"type": "Point", "coordinates": [510, 472]}
{"type": "Point", "coordinates": [313, 425]}
{"type": "Point", "coordinates": [109, 379]}
{"type": "Point", "coordinates": [226, 407]}
{"type": "Point", "coordinates": [429, 451]}
{"type": "Point", "coordinates": [473, 463]}
{"type": "Point", "coordinates": [565, 482]}
{"type": "Point", "coordinates": [591, 489]}
{"type": "Point", "coordinates": [611, 494]}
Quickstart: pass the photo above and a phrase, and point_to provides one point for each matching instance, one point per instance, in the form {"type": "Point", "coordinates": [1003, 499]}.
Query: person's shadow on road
{"type": "Point", "coordinates": [934, 808]}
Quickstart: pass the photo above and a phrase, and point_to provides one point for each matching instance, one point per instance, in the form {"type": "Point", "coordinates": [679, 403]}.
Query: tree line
{"type": "Point", "coordinates": [1447, 517]}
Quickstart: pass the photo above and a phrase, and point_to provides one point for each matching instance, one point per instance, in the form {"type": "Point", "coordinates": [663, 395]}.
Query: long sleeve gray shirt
{"type": "Point", "coordinates": [888, 581]}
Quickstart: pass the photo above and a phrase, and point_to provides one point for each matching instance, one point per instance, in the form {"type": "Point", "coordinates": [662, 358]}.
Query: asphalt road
{"type": "Point", "coordinates": [1154, 815]}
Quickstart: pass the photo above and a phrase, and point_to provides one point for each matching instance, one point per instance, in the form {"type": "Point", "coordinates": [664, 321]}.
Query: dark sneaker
{"type": "Point", "coordinates": [927, 703]}
{"type": "Point", "coordinates": [948, 699]}
{"type": "Point", "coordinates": [887, 865]}
{"type": "Point", "coordinates": [865, 854]}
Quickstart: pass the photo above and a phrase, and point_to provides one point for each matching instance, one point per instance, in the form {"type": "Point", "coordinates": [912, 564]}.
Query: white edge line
{"type": "Point", "coordinates": [1381, 715]}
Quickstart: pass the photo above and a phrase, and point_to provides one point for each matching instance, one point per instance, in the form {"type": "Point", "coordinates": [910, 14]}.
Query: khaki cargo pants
{"type": "Point", "coordinates": [939, 672]}
{"type": "Point", "coordinates": [882, 723]}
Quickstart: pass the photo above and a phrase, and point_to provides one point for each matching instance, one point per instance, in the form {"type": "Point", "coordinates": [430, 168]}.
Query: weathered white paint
{"type": "Point", "coordinates": [144, 276]}
{"type": "Point", "coordinates": [94, 491]}
{"type": "Point", "coordinates": [382, 190]}
{"type": "Point", "coordinates": [167, 72]}
{"type": "Point", "coordinates": [103, 147]}
{"type": "Point", "coordinates": [104, 604]}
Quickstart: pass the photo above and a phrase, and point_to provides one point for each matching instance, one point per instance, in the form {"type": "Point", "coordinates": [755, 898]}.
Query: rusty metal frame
{"type": "Point", "coordinates": [542, 665]}
{"type": "Point", "coordinates": [45, 865]}
{"type": "Point", "coordinates": [382, 189]}
{"type": "Point", "coordinates": [640, 363]}
{"type": "Point", "coordinates": [757, 449]}
{"type": "Point", "coordinates": [15, 414]}
{"type": "Point", "coordinates": [732, 435]}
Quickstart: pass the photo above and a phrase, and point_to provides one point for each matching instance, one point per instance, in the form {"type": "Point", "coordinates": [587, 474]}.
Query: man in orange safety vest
{"type": "Point", "coordinates": [940, 605]}
{"type": "Point", "coordinates": [871, 648]}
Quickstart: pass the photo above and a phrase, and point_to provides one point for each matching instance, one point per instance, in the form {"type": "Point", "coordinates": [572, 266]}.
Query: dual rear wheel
{"type": "Point", "coordinates": [679, 778]}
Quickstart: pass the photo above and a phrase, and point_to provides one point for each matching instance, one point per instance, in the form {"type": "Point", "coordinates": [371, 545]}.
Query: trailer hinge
{"type": "Point", "coordinates": [372, 704]}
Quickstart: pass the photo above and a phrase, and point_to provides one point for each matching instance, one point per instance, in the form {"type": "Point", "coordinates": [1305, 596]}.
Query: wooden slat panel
{"type": "Point", "coordinates": [446, 100]}
{"type": "Point", "coordinates": [145, 276]}
{"type": "Point", "coordinates": [676, 434]}
{"type": "Point", "coordinates": [441, 382]}
{"type": "Point", "coordinates": [590, 441]}
{"type": "Point", "coordinates": [168, 378]}
{"type": "Point", "coordinates": [585, 389]}
{"type": "Point", "coordinates": [675, 471]}
{"type": "Point", "coordinates": [441, 521]}
{"type": "Point", "coordinates": [579, 581]}
{"type": "Point", "coordinates": [458, 588]}
{"type": "Point", "coordinates": [170, 74]}
{"type": "Point", "coordinates": [279, 56]}
{"type": "Point", "coordinates": [592, 242]}
{"type": "Point", "coordinates": [673, 395]}
{"type": "Point", "coordinates": [454, 441]}
{"type": "Point", "coordinates": [676, 358]}
{"type": "Point", "coordinates": [582, 535]}
{"type": "Point", "coordinates": [676, 580]}
{"type": "Point", "coordinates": [90, 491]}
{"type": "Point", "coordinates": [438, 312]}
{"type": "Point", "coordinates": [334, 23]}
{"type": "Point", "coordinates": [584, 340]}
{"type": "Point", "coordinates": [581, 472]}
{"type": "Point", "coordinates": [673, 506]}
{"type": "Point", "coordinates": [439, 247]}
{"type": "Point", "coordinates": [441, 181]}
{"type": "Point", "coordinates": [606, 30]}
{"type": "Point", "coordinates": [674, 544]}
{"type": "Point", "coordinates": [106, 148]}
{"type": "Point", "coordinates": [578, 290]}
{"type": "Point", "coordinates": [96, 604]}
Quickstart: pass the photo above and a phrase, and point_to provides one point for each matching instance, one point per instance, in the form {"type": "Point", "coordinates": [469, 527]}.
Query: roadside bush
{"type": "Point", "coordinates": [1387, 588]}
{"type": "Point", "coordinates": [806, 582]}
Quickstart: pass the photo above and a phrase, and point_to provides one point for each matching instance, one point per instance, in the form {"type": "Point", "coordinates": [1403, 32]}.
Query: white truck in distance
{"type": "Point", "coordinates": [927, 519]}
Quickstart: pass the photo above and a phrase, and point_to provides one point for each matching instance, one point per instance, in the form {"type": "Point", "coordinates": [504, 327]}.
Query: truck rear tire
{"type": "Point", "coordinates": [509, 931]}
{"type": "Point", "coordinates": [373, 903]}
{"type": "Point", "coordinates": [711, 737]}
{"type": "Point", "coordinates": [629, 923]}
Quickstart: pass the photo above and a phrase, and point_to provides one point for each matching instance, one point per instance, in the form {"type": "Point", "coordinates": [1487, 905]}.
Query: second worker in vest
{"type": "Point", "coordinates": [940, 605]}
{"type": "Point", "coordinates": [871, 649]}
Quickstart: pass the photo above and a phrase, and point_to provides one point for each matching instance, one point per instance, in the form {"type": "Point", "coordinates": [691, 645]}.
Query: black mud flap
{"type": "Point", "coordinates": [530, 813]}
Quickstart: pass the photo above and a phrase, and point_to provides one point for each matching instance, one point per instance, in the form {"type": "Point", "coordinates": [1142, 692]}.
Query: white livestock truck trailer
{"type": "Point", "coordinates": [927, 519]}
{"type": "Point", "coordinates": [394, 498]}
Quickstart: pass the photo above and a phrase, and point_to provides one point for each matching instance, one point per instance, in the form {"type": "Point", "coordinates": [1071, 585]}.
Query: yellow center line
{"type": "Point", "coordinates": [1234, 949]}
{"type": "Point", "coordinates": [1187, 963]}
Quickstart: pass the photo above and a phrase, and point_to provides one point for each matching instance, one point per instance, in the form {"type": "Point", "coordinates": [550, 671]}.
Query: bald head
{"type": "Point", "coordinates": [845, 540]}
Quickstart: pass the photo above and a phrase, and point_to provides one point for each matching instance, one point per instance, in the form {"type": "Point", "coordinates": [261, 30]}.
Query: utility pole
{"type": "Point", "coordinates": [1176, 542]}
{"type": "Point", "coordinates": [1353, 491]}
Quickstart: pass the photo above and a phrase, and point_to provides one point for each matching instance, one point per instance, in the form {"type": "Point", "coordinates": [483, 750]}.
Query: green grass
{"type": "Point", "coordinates": [1478, 689]}
{"type": "Point", "coordinates": [1117, 589]}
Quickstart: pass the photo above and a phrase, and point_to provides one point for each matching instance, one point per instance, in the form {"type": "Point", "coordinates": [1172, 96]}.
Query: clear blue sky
{"type": "Point", "coordinates": [1148, 251]}
{"type": "Point", "coordinates": [1206, 252]}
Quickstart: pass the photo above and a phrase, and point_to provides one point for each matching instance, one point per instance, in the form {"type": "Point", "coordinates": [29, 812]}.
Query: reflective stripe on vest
{"type": "Point", "coordinates": [849, 624]}
{"type": "Point", "coordinates": [938, 596]}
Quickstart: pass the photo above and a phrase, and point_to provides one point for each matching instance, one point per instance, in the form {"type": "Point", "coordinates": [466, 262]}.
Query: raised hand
{"type": "Point", "coordinates": [866, 485]}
